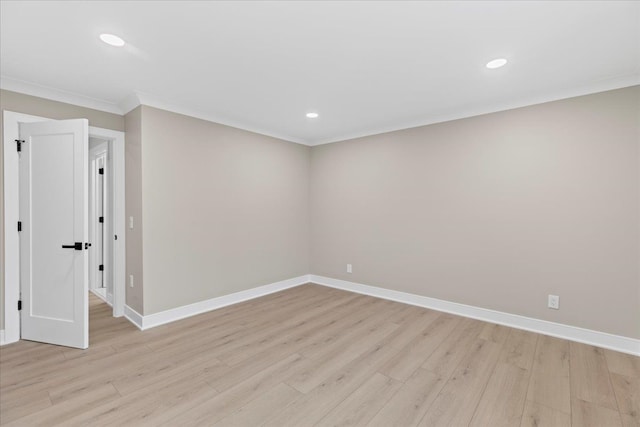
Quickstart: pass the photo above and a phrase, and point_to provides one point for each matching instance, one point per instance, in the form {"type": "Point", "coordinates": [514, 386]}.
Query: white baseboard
{"type": "Point", "coordinates": [133, 316]}
{"type": "Point", "coordinates": [102, 297]}
{"type": "Point", "coordinates": [573, 333]}
{"type": "Point", "coordinates": [157, 319]}
{"type": "Point", "coordinates": [2, 337]}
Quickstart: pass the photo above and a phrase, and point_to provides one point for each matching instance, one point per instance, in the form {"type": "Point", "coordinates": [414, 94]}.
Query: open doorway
{"type": "Point", "coordinates": [112, 234]}
{"type": "Point", "coordinates": [100, 220]}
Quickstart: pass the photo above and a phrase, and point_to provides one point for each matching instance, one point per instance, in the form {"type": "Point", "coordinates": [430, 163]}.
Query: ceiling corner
{"type": "Point", "coordinates": [129, 103]}
{"type": "Point", "coordinates": [53, 94]}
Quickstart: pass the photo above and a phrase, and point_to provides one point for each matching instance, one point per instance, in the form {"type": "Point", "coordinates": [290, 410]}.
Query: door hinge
{"type": "Point", "coordinates": [19, 143]}
{"type": "Point", "coordinates": [19, 305]}
{"type": "Point", "coordinates": [101, 219]}
{"type": "Point", "coordinates": [19, 225]}
{"type": "Point", "coordinates": [101, 171]}
{"type": "Point", "coordinates": [101, 267]}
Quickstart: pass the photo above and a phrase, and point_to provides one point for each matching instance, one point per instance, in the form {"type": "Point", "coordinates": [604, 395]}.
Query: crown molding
{"type": "Point", "coordinates": [137, 98]}
{"type": "Point", "coordinates": [141, 98]}
{"type": "Point", "coordinates": [129, 103]}
{"type": "Point", "coordinates": [603, 85]}
{"type": "Point", "coordinates": [53, 94]}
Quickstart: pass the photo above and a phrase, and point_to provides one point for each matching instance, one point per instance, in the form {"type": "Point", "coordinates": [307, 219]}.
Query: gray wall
{"type": "Point", "coordinates": [35, 106]}
{"type": "Point", "coordinates": [495, 211]}
{"type": "Point", "coordinates": [223, 210]}
{"type": "Point", "coordinates": [27, 104]}
{"type": "Point", "coordinates": [133, 208]}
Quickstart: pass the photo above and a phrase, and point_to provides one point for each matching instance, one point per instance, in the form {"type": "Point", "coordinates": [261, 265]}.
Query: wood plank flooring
{"type": "Point", "coordinates": [313, 355]}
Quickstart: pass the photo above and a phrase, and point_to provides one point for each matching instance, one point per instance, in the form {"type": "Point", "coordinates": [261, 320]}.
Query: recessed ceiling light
{"type": "Point", "coordinates": [312, 115]}
{"type": "Point", "coordinates": [112, 40]}
{"type": "Point", "coordinates": [496, 63]}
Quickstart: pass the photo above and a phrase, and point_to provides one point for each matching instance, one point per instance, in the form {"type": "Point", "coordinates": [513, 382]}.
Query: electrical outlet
{"type": "Point", "coordinates": [131, 280]}
{"type": "Point", "coordinates": [130, 223]}
{"type": "Point", "coordinates": [554, 302]}
{"type": "Point", "coordinates": [349, 269]}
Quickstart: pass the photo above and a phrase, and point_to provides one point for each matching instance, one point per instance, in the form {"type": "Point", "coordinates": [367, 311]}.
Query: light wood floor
{"type": "Point", "coordinates": [313, 355]}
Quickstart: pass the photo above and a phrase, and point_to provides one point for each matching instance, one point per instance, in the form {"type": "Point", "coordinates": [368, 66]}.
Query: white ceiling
{"type": "Point", "coordinates": [366, 67]}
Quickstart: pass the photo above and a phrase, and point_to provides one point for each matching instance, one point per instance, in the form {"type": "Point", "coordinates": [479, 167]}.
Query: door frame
{"type": "Point", "coordinates": [94, 153]}
{"type": "Point", "coordinates": [11, 260]}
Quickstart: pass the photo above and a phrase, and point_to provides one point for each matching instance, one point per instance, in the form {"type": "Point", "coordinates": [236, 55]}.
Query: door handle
{"type": "Point", "coordinates": [77, 246]}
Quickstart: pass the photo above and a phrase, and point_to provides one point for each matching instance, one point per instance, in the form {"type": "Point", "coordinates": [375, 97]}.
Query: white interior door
{"type": "Point", "coordinates": [53, 212]}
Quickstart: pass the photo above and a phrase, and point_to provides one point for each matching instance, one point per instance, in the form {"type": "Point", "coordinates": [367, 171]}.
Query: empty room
{"type": "Point", "coordinates": [320, 213]}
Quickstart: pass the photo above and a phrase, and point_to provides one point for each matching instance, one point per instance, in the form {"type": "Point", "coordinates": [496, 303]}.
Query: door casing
{"type": "Point", "coordinates": [101, 151]}
{"type": "Point", "coordinates": [11, 217]}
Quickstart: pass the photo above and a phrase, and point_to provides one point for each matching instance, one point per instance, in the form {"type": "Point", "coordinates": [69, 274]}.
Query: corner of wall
{"type": "Point", "coordinates": [133, 210]}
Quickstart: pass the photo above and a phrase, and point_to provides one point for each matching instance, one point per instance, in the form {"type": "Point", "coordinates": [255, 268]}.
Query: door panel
{"type": "Point", "coordinates": [53, 211]}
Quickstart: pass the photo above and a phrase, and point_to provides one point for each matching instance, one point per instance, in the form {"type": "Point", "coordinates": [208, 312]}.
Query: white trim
{"type": "Point", "coordinates": [104, 298]}
{"type": "Point", "coordinates": [588, 89]}
{"type": "Point", "coordinates": [137, 98]}
{"type": "Point", "coordinates": [99, 151]}
{"type": "Point", "coordinates": [11, 216]}
{"type": "Point", "coordinates": [163, 317]}
{"type": "Point", "coordinates": [119, 228]}
{"type": "Point", "coordinates": [2, 337]}
{"type": "Point", "coordinates": [116, 150]}
{"type": "Point", "coordinates": [133, 316]}
{"type": "Point", "coordinates": [140, 98]}
{"type": "Point", "coordinates": [28, 88]}
{"type": "Point", "coordinates": [11, 260]}
{"type": "Point", "coordinates": [573, 333]}
{"type": "Point", "coordinates": [130, 102]}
